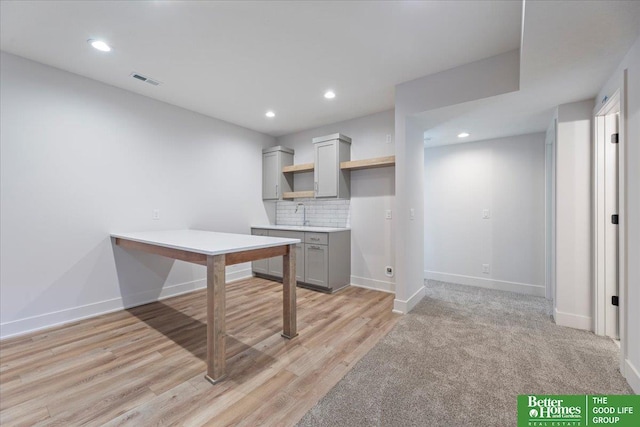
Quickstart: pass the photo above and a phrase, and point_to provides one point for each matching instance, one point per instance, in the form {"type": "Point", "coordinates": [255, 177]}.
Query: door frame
{"type": "Point", "coordinates": [600, 216]}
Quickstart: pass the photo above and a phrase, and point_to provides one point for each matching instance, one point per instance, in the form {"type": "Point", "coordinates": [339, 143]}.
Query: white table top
{"type": "Point", "coordinates": [205, 242]}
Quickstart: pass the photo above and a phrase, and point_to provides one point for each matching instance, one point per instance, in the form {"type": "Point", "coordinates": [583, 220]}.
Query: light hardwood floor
{"type": "Point", "coordinates": [145, 366]}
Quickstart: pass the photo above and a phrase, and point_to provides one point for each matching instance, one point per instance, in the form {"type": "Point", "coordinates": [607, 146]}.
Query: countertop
{"type": "Point", "coordinates": [301, 228]}
{"type": "Point", "coordinates": [205, 242]}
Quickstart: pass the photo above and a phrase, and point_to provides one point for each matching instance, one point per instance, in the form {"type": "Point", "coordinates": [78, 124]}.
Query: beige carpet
{"type": "Point", "coordinates": [461, 357]}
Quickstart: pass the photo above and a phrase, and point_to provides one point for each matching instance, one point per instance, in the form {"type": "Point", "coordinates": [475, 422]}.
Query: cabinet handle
{"type": "Point", "coordinates": [276, 190]}
{"type": "Point", "coordinates": [316, 185]}
{"type": "Point", "coordinates": [314, 247]}
{"type": "Point", "coordinates": [314, 238]}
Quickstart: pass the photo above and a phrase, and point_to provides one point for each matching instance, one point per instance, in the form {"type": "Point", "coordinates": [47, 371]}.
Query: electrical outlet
{"type": "Point", "coordinates": [388, 270]}
{"type": "Point", "coordinates": [156, 214]}
{"type": "Point", "coordinates": [485, 269]}
{"type": "Point", "coordinates": [486, 214]}
{"type": "Point", "coordinates": [388, 139]}
{"type": "Point", "coordinates": [387, 214]}
{"type": "Point", "coordinates": [412, 214]}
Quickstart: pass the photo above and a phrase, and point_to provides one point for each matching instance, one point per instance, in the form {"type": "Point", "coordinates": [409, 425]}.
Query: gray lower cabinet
{"type": "Point", "coordinates": [275, 263]}
{"type": "Point", "coordinates": [260, 266]}
{"type": "Point", "coordinates": [316, 260]}
{"type": "Point", "coordinates": [323, 260]}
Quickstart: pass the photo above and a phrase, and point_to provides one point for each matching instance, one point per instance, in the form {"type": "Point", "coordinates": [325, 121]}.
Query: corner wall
{"type": "Point", "coordinates": [574, 284]}
{"type": "Point", "coordinates": [481, 79]}
{"type": "Point", "coordinates": [81, 159]}
{"type": "Point", "coordinates": [506, 177]}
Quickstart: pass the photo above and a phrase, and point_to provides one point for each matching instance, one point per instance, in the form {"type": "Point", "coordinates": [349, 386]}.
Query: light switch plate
{"type": "Point", "coordinates": [387, 214]}
{"type": "Point", "coordinates": [486, 214]}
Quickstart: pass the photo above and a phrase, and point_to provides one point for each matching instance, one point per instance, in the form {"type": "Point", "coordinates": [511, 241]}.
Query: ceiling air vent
{"type": "Point", "coordinates": [146, 79]}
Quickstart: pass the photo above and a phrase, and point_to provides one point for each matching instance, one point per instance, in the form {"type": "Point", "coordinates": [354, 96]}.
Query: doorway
{"type": "Point", "coordinates": [607, 313]}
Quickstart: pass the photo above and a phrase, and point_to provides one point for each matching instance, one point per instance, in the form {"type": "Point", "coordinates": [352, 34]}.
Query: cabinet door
{"type": "Point", "coordinates": [316, 265]}
{"type": "Point", "coordinates": [300, 262]}
{"type": "Point", "coordinates": [261, 265]}
{"type": "Point", "coordinates": [270, 175]}
{"type": "Point", "coordinates": [326, 169]}
{"type": "Point", "coordinates": [275, 266]}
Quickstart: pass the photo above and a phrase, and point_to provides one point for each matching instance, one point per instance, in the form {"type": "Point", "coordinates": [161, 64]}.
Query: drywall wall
{"type": "Point", "coordinates": [81, 159]}
{"type": "Point", "coordinates": [484, 204]}
{"type": "Point", "coordinates": [481, 79]}
{"type": "Point", "coordinates": [626, 78]}
{"type": "Point", "coordinates": [574, 293]}
{"type": "Point", "coordinates": [372, 193]}
{"type": "Point", "coordinates": [550, 210]}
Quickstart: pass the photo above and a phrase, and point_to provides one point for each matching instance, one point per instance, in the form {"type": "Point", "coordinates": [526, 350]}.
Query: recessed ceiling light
{"type": "Point", "coordinates": [329, 94]}
{"type": "Point", "coordinates": [270, 114]}
{"type": "Point", "coordinates": [100, 45]}
{"type": "Point", "coordinates": [463, 135]}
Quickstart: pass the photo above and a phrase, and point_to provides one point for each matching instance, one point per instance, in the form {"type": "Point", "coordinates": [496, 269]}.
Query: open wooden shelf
{"type": "Point", "coordinates": [298, 194]}
{"type": "Point", "coordinates": [377, 162]}
{"type": "Point", "coordinates": [303, 167]}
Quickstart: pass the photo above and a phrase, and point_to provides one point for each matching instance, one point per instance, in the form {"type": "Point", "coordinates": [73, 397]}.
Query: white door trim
{"type": "Point", "coordinates": [599, 213]}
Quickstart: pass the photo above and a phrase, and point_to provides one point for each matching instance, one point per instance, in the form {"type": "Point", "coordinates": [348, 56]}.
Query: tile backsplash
{"type": "Point", "coordinates": [320, 213]}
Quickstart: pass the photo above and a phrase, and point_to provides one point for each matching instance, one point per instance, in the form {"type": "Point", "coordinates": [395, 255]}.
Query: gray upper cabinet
{"type": "Point", "coordinates": [329, 179]}
{"type": "Point", "coordinates": [274, 182]}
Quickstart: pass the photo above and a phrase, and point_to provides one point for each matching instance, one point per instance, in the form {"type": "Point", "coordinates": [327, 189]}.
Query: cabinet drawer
{"type": "Point", "coordinates": [287, 234]}
{"type": "Point", "coordinates": [317, 238]}
{"type": "Point", "coordinates": [259, 232]}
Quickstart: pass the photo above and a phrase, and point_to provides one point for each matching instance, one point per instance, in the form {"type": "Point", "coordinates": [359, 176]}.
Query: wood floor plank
{"type": "Point", "coordinates": [146, 365]}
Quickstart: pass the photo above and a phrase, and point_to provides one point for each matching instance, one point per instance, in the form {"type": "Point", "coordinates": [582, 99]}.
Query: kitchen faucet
{"type": "Point", "coordinates": [304, 213]}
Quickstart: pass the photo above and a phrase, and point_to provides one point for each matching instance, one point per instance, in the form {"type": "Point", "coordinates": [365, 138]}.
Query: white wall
{"type": "Point", "coordinates": [550, 210]}
{"type": "Point", "coordinates": [80, 159]}
{"type": "Point", "coordinates": [574, 286]}
{"type": "Point", "coordinates": [372, 193]}
{"type": "Point", "coordinates": [505, 176]}
{"type": "Point", "coordinates": [488, 77]}
{"type": "Point", "coordinates": [630, 211]}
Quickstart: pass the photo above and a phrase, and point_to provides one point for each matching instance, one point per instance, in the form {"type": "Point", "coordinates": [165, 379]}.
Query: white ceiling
{"type": "Point", "coordinates": [236, 60]}
{"type": "Point", "coordinates": [569, 49]}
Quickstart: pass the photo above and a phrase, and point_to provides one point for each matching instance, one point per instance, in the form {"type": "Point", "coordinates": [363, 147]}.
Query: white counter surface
{"type": "Point", "coordinates": [205, 242]}
{"type": "Point", "coordinates": [301, 228]}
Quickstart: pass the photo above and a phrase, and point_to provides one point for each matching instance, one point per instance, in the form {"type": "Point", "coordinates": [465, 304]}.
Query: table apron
{"type": "Point", "coordinates": [197, 258]}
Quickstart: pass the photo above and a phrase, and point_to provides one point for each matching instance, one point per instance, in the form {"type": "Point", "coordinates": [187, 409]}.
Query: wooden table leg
{"type": "Point", "coordinates": [289, 314]}
{"type": "Point", "coordinates": [216, 328]}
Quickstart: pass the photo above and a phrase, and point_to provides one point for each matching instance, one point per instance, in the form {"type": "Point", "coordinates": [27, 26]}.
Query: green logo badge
{"type": "Point", "coordinates": [578, 410]}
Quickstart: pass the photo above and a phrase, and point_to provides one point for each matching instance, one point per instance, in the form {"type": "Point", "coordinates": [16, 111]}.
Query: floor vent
{"type": "Point", "coordinates": [146, 79]}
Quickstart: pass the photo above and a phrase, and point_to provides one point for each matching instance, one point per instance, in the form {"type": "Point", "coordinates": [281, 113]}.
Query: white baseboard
{"type": "Point", "coordinates": [376, 285]}
{"type": "Point", "coordinates": [232, 276]}
{"type": "Point", "coordinates": [632, 376]}
{"type": "Point", "coordinates": [481, 282]}
{"type": "Point", "coordinates": [57, 318]}
{"type": "Point", "coordinates": [403, 307]}
{"type": "Point", "coordinates": [575, 321]}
